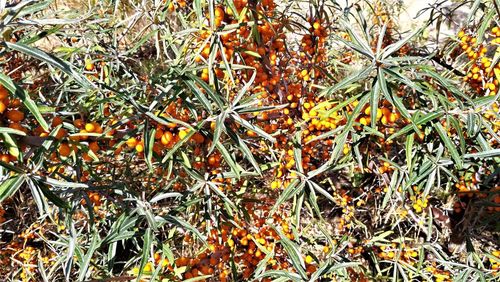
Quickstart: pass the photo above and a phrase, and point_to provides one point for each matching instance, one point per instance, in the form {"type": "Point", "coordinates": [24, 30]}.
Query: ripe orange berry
{"type": "Point", "coordinates": [3, 92]}
{"type": "Point", "coordinates": [167, 137]}
{"type": "Point", "coordinates": [57, 121]}
{"type": "Point", "coordinates": [89, 66]}
{"type": "Point", "coordinates": [394, 117]}
{"type": "Point", "coordinates": [131, 142]}
{"type": "Point", "coordinates": [15, 115]}
{"type": "Point", "coordinates": [198, 138]}
{"type": "Point", "coordinates": [3, 107]}
{"type": "Point", "coordinates": [219, 12]}
{"type": "Point", "coordinates": [182, 134]}
{"type": "Point", "coordinates": [79, 123]}
{"type": "Point", "coordinates": [61, 133]}
{"type": "Point", "coordinates": [94, 147]}
{"type": "Point", "coordinates": [89, 127]}
{"type": "Point", "coordinates": [4, 158]}
{"type": "Point", "coordinates": [18, 126]}
{"type": "Point", "coordinates": [15, 103]}
{"type": "Point", "coordinates": [148, 267]}
{"type": "Point", "coordinates": [158, 133]}
{"type": "Point", "coordinates": [139, 147]}
{"type": "Point", "coordinates": [64, 149]}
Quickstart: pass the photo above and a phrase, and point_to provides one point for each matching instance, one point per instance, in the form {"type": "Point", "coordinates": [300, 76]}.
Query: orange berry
{"type": "Point", "coordinates": [131, 142]}
{"type": "Point", "coordinates": [167, 137]}
{"type": "Point", "coordinates": [64, 149]}
{"type": "Point", "coordinates": [3, 107]}
{"type": "Point", "coordinates": [3, 92]}
{"type": "Point", "coordinates": [198, 138]}
{"type": "Point", "coordinates": [94, 147]}
{"type": "Point", "coordinates": [89, 66]}
{"type": "Point", "coordinates": [15, 115]}
{"type": "Point", "coordinates": [61, 133]}
{"type": "Point", "coordinates": [139, 147]}
{"type": "Point", "coordinates": [90, 127]}
{"type": "Point", "coordinates": [57, 121]}
{"type": "Point", "coordinates": [79, 123]}
{"type": "Point", "coordinates": [182, 134]}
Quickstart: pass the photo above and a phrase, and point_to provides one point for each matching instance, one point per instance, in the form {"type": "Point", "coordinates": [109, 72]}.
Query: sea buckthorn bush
{"type": "Point", "coordinates": [247, 140]}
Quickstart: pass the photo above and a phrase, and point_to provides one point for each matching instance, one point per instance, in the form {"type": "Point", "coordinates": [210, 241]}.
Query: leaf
{"type": "Point", "coordinates": [280, 273]}
{"type": "Point", "coordinates": [149, 140]}
{"type": "Point", "coordinates": [247, 153]}
{"type": "Point", "coordinates": [342, 138]}
{"type": "Point", "coordinates": [199, 95]}
{"type": "Point", "coordinates": [163, 196]}
{"type": "Point", "coordinates": [210, 91]}
{"type": "Point", "coordinates": [121, 228]}
{"type": "Point", "coordinates": [330, 267]}
{"type": "Point", "coordinates": [229, 159]}
{"type": "Point", "coordinates": [394, 99]}
{"type": "Point", "coordinates": [10, 186]}
{"type": "Point", "coordinates": [426, 118]}
{"type": "Point", "coordinates": [219, 128]}
{"type": "Point", "coordinates": [244, 89]}
{"type": "Point", "coordinates": [184, 224]}
{"type": "Point", "coordinates": [53, 198]}
{"type": "Point", "coordinates": [293, 188]}
{"type": "Point", "coordinates": [9, 130]}
{"type": "Point", "coordinates": [446, 84]}
{"type": "Point", "coordinates": [389, 50]}
{"type": "Point", "coordinates": [253, 127]}
{"type": "Point", "coordinates": [52, 60]}
{"type": "Point", "coordinates": [390, 190]}
{"type": "Point", "coordinates": [362, 74]}
{"type": "Point", "coordinates": [485, 24]}
{"type": "Point", "coordinates": [358, 44]}
{"type": "Point", "coordinates": [321, 191]}
{"type": "Point", "coordinates": [293, 252]}
{"type": "Point", "coordinates": [146, 249]}
{"type": "Point", "coordinates": [484, 154]}
{"type": "Point", "coordinates": [59, 183]}
{"type": "Point", "coordinates": [374, 99]}
{"type": "Point", "coordinates": [94, 245]}
{"type": "Point", "coordinates": [198, 278]}
{"type": "Point", "coordinates": [449, 144]}
{"type": "Point", "coordinates": [11, 145]}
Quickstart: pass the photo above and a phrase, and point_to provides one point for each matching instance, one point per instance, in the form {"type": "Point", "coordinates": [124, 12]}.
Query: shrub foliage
{"type": "Point", "coordinates": [247, 140]}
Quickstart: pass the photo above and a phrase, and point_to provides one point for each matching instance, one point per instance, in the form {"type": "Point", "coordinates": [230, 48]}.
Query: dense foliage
{"type": "Point", "coordinates": [246, 140]}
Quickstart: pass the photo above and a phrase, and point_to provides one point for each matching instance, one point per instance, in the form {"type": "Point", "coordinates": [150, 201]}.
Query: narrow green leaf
{"type": "Point", "coordinates": [11, 145]}
{"type": "Point", "coordinates": [293, 188]}
{"type": "Point", "coordinates": [8, 130]}
{"type": "Point", "coordinates": [10, 186]}
{"type": "Point", "coordinates": [52, 60]}
{"type": "Point", "coordinates": [424, 119]}
{"type": "Point", "coordinates": [229, 159]}
{"type": "Point", "coordinates": [348, 81]}
{"type": "Point", "coordinates": [146, 249]}
{"type": "Point", "coordinates": [389, 50]}
{"type": "Point", "coordinates": [484, 154]}
{"type": "Point", "coordinates": [149, 140]}
{"type": "Point", "coordinates": [94, 245]}
{"type": "Point", "coordinates": [449, 144]}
